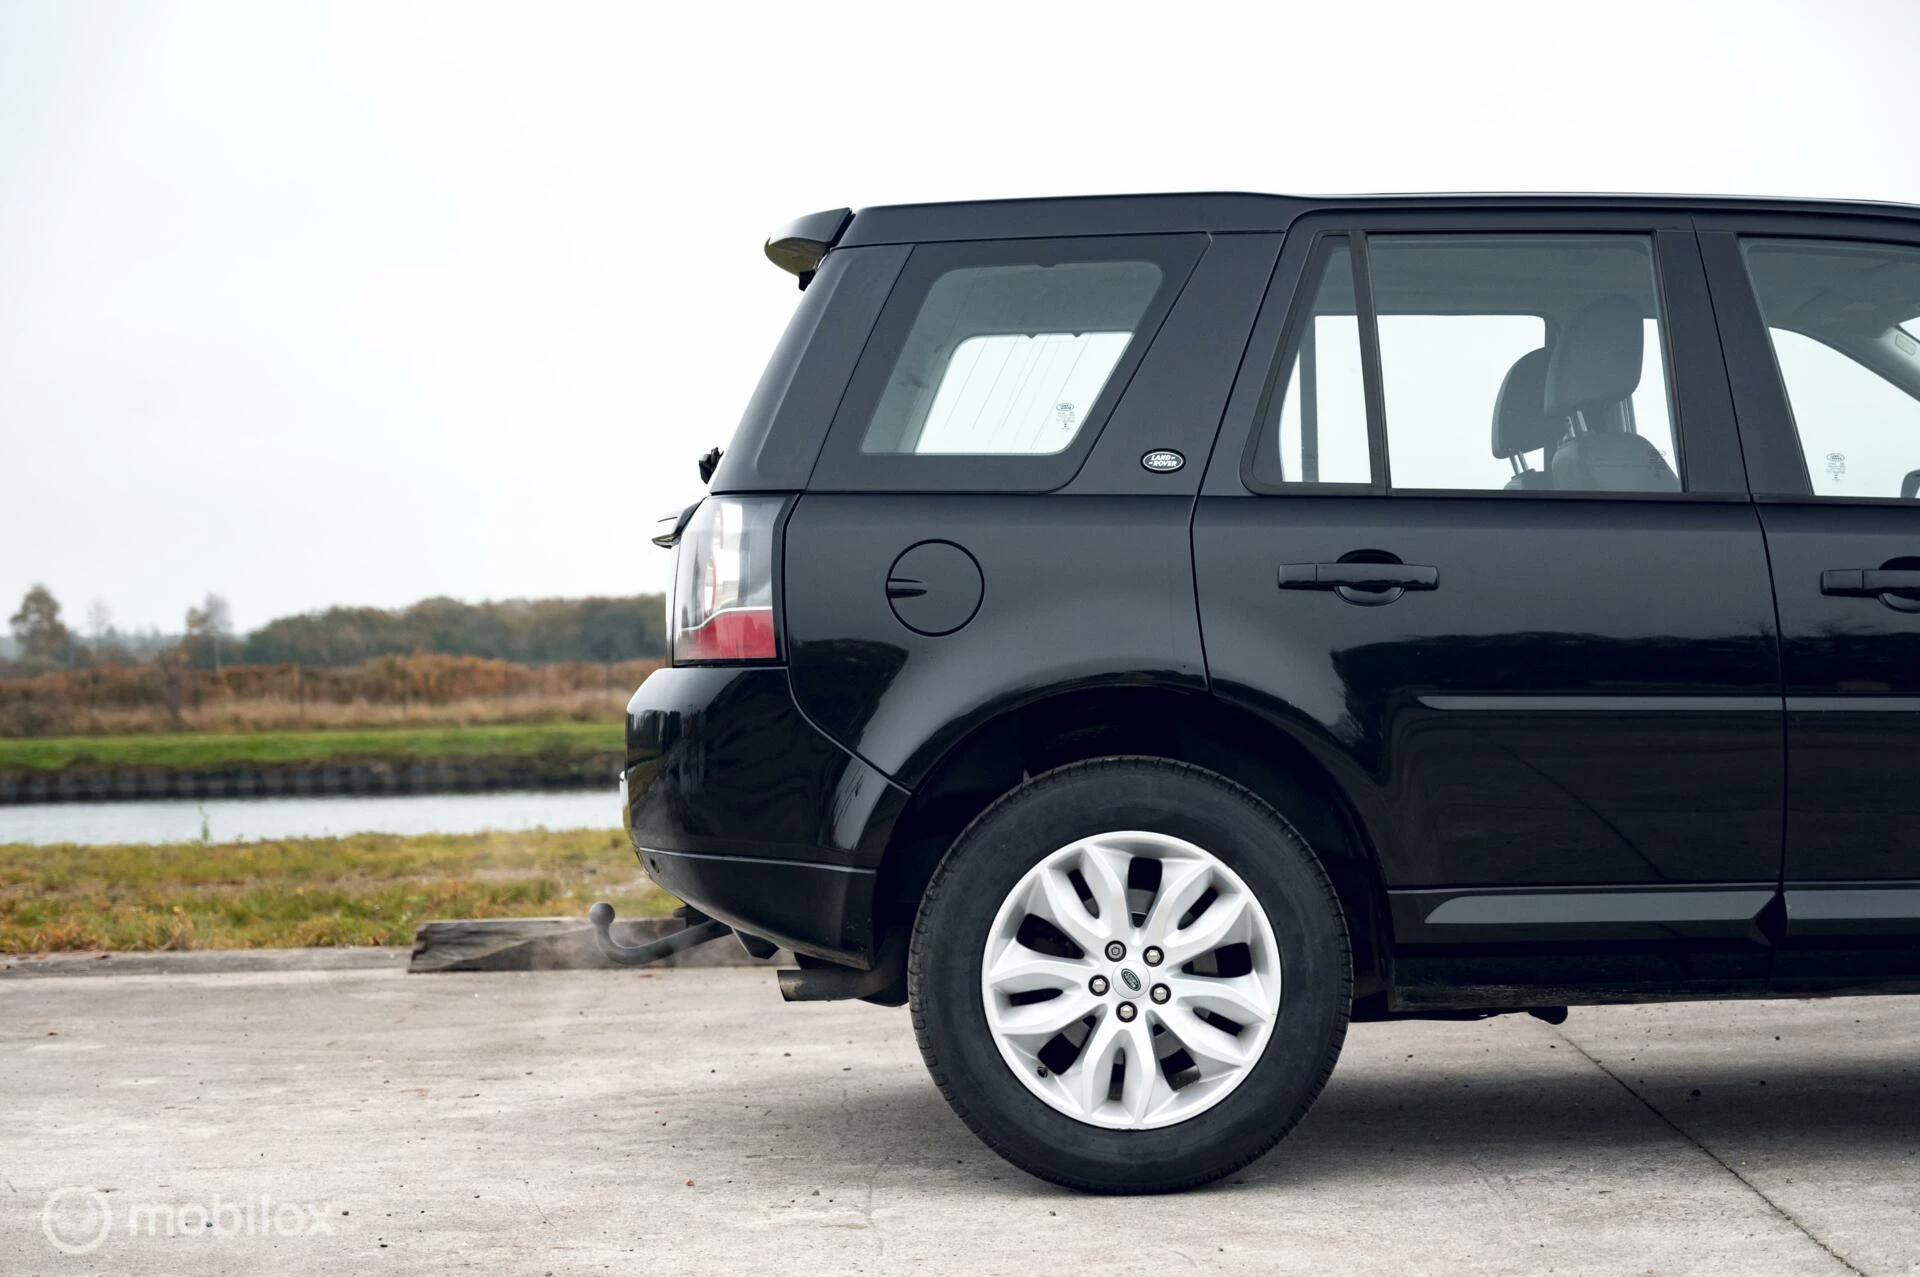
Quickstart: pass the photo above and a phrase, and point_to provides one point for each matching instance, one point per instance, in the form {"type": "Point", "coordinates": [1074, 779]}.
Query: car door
{"type": "Point", "coordinates": [1821, 322]}
{"type": "Point", "coordinates": [1538, 654]}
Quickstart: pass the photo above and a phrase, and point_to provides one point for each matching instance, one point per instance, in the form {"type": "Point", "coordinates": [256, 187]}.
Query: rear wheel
{"type": "Point", "coordinates": [1130, 975]}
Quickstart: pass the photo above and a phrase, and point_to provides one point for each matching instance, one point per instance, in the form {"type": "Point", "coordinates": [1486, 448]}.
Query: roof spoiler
{"type": "Point", "coordinates": [800, 246]}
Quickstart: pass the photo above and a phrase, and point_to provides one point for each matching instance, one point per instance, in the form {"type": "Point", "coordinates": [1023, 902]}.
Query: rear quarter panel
{"type": "Point", "coordinates": [1090, 585]}
{"type": "Point", "coordinates": [1078, 591]}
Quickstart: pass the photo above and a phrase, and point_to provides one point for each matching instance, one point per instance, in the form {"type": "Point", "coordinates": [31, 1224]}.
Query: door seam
{"type": "Point", "coordinates": [1773, 582]}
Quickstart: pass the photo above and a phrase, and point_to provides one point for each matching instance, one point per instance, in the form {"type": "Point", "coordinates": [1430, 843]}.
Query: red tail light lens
{"type": "Point", "coordinates": [723, 583]}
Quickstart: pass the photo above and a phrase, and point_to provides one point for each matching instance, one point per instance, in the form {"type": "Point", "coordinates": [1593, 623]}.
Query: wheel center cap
{"type": "Point", "coordinates": [1130, 983]}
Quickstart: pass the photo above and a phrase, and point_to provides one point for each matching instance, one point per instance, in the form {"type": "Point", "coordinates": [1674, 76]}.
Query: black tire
{"type": "Point", "coordinates": [1155, 795]}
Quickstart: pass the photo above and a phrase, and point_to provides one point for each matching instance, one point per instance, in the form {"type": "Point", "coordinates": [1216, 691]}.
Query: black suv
{"type": "Point", "coordinates": [1146, 634]}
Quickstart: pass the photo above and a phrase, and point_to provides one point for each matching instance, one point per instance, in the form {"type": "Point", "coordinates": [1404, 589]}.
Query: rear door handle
{"type": "Point", "coordinates": [1868, 582]}
{"type": "Point", "coordinates": [1358, 576]}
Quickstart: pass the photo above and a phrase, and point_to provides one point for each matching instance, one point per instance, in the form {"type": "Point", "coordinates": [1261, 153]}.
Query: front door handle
{"type": "Point", "coordinates": [1358, 576]}
{"type": "Point", "coordinates": [1868, 582]}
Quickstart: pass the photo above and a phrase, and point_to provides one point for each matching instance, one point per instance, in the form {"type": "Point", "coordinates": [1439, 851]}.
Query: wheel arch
{"type": "Point", "coordinates": [1192, 727]}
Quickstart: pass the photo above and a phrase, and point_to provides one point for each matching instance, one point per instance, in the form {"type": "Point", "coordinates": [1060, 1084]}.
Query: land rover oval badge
{"type": "Point", "coordinates": [1163, 460]}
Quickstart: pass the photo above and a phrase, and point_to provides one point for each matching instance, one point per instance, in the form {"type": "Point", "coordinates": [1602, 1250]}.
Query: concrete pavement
{"type": "Point", "coordinates": [688, 1121]}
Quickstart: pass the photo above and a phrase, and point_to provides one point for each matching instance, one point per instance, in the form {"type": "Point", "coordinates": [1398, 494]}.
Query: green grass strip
{"type": "Point", "coordinates": [358, 890]}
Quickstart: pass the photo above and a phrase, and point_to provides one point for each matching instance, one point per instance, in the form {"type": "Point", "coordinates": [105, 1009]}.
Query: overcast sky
{"type": "Point", "coordinates": [365, 303]}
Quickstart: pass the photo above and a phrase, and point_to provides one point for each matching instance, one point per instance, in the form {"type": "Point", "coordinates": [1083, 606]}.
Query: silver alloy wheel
{"type": "Point", "coordinates": [1157, 1043]}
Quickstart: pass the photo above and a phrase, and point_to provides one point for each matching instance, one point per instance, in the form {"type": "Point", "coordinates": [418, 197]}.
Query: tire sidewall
{"type": "Point", "coordinates": [1060, 808]}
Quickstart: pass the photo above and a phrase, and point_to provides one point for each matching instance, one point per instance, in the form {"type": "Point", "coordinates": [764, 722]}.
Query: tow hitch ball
{"type": "Point", "coordinates": [699, 930]}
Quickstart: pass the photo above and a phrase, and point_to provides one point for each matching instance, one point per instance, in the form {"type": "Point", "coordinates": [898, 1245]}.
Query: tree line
{"type": "Point", "coordinates": [529, 631]}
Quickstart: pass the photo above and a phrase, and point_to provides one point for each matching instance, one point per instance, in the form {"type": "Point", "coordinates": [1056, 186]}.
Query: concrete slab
{"type": "Point", "coordinates": [1814, 1104]}
{"type": "Point", "coordinates": [688, 1121]}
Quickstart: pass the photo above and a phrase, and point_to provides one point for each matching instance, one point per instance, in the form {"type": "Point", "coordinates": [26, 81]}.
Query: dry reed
{"type": "Point", "coordinates": [412, 691]}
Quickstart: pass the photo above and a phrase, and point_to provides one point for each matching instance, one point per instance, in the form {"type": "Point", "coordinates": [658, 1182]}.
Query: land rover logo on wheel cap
{"type": "Point", "coordinates": [1163, 460]}
{"type": "Point", "coordinates": [1129, 979]}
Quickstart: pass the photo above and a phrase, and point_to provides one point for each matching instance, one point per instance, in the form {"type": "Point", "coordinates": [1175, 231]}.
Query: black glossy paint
{"type": "Point", "coordinates": [1852, 669]}
{"type": "Point", "coordinates": [799, 246]}
{"type": "Point", "coordinates": [779, 435]}
{"type": "Point", "coordinates": [1231, 212]}
{"type": "Point", "coordinates": [901, 699]}
{"type": "Point", "coordinates": [1090, 586]}
{"type": "Point", "coordinates": [822, 910]}
{"type": "Point", "coordinates": [1463, 721]}
{"type": "Point", "coordinates": [1596, 749]}
{"type": "Point", "coordinates": [935, 588]}
{"type": "Point", "coordinates": [1850, 663]}
{"type": "Point", "coordinates": [723, 770]}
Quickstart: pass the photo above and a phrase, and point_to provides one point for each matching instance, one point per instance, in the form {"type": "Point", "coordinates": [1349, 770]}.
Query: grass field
{"type": "Point", "coordinates": [365, 889]}
{"type": "Point", "coordinates": [210, 751]}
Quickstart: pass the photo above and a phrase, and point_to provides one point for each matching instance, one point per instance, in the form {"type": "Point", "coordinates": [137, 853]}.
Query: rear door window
{"type": "Point", "coordinates": [993, 365]}
{"type": "Point", "coordinates": [1528, 364]}
{"type": "Point", "coordinates": [1470, 324]}
{"type": "Point", "coordinates": [1841, 318]}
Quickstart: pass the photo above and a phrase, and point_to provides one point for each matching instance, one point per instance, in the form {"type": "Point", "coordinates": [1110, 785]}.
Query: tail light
{"type": "Point", "coordinates": [722, 607]}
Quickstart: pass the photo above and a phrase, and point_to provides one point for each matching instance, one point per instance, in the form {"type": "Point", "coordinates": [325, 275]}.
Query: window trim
{"type": "Point", "coordinates": [842, 466]}
{"type": "Point", "coordinates": [1706, 444]}
{"type": "Point", "coordinates": [1299, 311]}
{"type": "Point", "coordinates": [1770, 434]}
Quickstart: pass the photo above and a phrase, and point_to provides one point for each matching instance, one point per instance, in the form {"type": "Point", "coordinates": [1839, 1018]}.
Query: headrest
{"type": "Point", "coordinates": [1596, 362]}
{"type": "Point", "coordinates": [1520, 421]}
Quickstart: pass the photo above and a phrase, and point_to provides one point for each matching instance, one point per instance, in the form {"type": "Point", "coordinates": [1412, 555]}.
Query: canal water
{"type": "Point", "coordinates": [243, 819]}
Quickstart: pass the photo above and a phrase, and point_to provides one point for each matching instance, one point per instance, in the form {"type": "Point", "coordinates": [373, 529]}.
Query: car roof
{"type": "Point", "coordinates": [1231, 211]}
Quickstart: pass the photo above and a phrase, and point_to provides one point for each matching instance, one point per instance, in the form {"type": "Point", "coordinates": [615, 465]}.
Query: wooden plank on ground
{"type": "Point", "coordinates": [556, 944]}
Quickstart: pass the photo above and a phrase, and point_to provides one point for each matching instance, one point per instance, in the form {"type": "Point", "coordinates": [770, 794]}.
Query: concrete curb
{"type": "Point", "coordinates": [555, 944]}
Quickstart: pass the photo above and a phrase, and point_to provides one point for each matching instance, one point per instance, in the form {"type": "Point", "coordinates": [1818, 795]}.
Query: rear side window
{"type": "Point", "coordinates": [994, 364]}
{"type": "Point", "coordinates": [1010, 359]}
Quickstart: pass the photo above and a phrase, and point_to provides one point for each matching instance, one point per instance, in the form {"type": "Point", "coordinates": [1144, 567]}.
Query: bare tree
{"type": "Point", "coordinates": [209, 630]}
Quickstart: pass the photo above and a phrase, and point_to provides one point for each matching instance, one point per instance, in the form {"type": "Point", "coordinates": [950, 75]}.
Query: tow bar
{"type": "Point", "coordinates": [699, 930]}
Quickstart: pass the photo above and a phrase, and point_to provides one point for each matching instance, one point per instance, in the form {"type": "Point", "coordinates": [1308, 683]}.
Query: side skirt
{"type": "Point", "coordinates": [1535, 946]}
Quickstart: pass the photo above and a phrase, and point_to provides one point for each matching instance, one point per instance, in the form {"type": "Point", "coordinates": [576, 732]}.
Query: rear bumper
{"type": "Point", "coordinates": [742, 808]}
{"type": "Point", "coordinates": [823, 910]}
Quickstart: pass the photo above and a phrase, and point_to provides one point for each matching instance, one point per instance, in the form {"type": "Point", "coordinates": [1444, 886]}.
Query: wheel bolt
{"type": "Point", "coordinates": [1115, 951]}
{"type": "Point", "coordinates": [1152, 956]}
{"type": "Point", "coordinates": [1160, 993]}
{"type": "Point", "coordinates": [1097, 985]}
{"type": "Point", "coordinates": [1126, 1011]}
